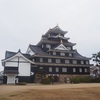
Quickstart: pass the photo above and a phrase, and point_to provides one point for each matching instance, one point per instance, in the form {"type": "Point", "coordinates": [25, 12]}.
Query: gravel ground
{"type": "Point", "coordinates": [6, 89]}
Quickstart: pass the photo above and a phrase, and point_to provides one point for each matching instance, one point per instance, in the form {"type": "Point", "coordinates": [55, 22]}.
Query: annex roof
{"type": "Point", "coordinates": [10, 55]}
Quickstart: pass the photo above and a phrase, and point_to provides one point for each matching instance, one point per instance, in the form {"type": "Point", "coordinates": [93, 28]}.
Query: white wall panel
{"type": "Point", "coordinates": [11, 64]}
{"type": "Point", "coordinates": [14, 59]}
{"type": "Point", "coordinates": [24, 69]}
{"type": "Point", "coordinates": [11, 79]}
{"type": "Point", "coordinates": [22, 59]}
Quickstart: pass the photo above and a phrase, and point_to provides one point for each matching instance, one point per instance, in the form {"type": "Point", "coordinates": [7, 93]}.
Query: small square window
{"type": "Point", "coordinates": [67, 61]}
{"type": "Point", "coordinates": [57, 60]}
{"type": "Point", "coordinates": [48, 46]}
{"type": "Point", "coordinates": [54, 53]}
{"type": "Point", "coordinates": [74, 62]}
{"type": "Point", "coordinates": [49, 60]}
{"type": "Point", "coordinates": [62, 54]}
{"type": "Point", "coordinates": [74, 70]}
{"type": "Point", "coordinates": [41, 59]}
{"type": "Point", "coordinates": [64, 69]}
{"type": "Point", "coordinates": [70, 54]}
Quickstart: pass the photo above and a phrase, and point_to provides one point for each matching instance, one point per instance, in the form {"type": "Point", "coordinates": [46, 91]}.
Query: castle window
{"type": "Point", "coordinates": [82, 62]}
{"type": "Point", "coordinates": [41, 59]}
{"type": "Point", "coordinates": [57, 60]}
{"type": "Point", "coordinates": [54, 53]}
{"type": "Point", "coordinates": [74, 62]}
{"type": "Point", "coordinates": [48, 46]}
{"type": "Point", "coordinates": [74, 70]}
{"type": "Point", "coordinates": [64, 69]}
{"type": "Point", "coordinates": [85, 70]}
{"type": "Point", "coordinates": [57, 69]}
{"type": "Point", "coordinates": [49, 60]}
{"type": "Point", "coordinates": [42, 45]}
{"type": "Point", "coordinates": [87, 62]}
{"type": "Point", "coordinates": [50, 69]}
{"type": "Point", "coordinates": [67, 61]}
{"type": "Point", "coordinates": [62, 54]}
{"type": "Point", "coordinates": [70, 54]}
{"type": "Point", "coordinates": [33, 59]}
{"type": "Point", "coordinates": [41, 68]}
{"type": "Point", "coordinates": [80, 69]}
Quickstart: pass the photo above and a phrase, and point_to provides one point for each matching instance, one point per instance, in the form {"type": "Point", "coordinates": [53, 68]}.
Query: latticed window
{"type": "Point", "coordinates": [82, 62]}
{"type": "Point", "coordinates": [70, 54]}
{"type": "Point", "coordinates": [57, 69]}
{"type": "Point", "coordinates": [62, 54]}
{"type": "Point", "coordinates": [57, 60]}
{"type": "Point", "coordinates": [87, 62]}
{"type": "Point", "coordinates": [74, 69]}
{"type": "Point", "coordinates": [41, 59]}
{"type": "Point", "coordinates": [86, 70]}
{"type": "Point", "coordinates": [67, 61]}
{"type": "Point", "coordinates": [49, 60]}
{"type": "Point", "coordinates": [54, 53]}
{"type": "Point", "coordinates": [74, 62]}
{"type": "Point", "coordinates": [50, 69]}
{"type": "Point", "coordinates": [64, 69]}
{"type": "Point", "coordinates": [48, 46]}
{"type": "Point", "coordinates": [80, 69]}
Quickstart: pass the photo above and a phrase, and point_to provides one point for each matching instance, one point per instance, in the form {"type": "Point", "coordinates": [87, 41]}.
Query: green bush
{"type": "Point", "coordinates": [46, 80]}
{"type": "Point", "coordinates": [95, 80]}
{"type": "Point", "coordinates": [75, 80]}
{"type": "Point", "coordinates": [85, 79]}
{"type": "Point", "coordinates": [22, 83]}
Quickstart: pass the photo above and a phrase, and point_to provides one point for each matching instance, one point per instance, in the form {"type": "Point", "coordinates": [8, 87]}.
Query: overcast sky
{"type": "Point", "coordinates": [22, 22]}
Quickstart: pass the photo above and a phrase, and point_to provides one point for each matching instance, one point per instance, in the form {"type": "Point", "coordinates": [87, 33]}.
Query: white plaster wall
{"type": "Point", "coordinates": [24, 69]}
{"type": "Point", "coordinates": [22, 59]}
{"type": "Point", "coordinates": [14, 59]}
{"type": "Point", "coordinates": [11, 79]}
{"type": "Point", "coordinates": [11, 64]}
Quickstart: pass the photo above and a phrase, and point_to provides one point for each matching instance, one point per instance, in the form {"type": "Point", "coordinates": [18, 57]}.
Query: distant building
{"type": "Point", "coordinates": [54, 55]}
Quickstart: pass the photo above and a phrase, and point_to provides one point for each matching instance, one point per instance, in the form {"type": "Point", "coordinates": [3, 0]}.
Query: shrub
{"type": "Point", "coordinates": [22, 83]}
{"type": "Point", "coordinates": [46, 80]}
{"type": "Point", "coordinates": [95, 80]}
{"type": "Point", "coordinates": [85, 79]}
{"type": "Point", "coordinates": [75, 80]}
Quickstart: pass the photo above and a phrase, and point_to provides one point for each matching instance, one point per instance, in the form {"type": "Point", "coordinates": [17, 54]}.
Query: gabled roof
{"type": "Point", "coordinates": [61, 47]}
{"type": "Point", "coordinates": [10, 55]}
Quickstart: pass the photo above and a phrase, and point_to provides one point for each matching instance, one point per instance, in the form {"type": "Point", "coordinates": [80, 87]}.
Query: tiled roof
{"type": "Point", "coordinates": [11, 72]}
{"type": "Point", "coordinates": [55, 42]}
{"type": "Point", "coordinates": [54, 64]}
{"type": "Point", "coordinates": [11, 54]}
{"type": "Point", "coordinates": [37, 50]}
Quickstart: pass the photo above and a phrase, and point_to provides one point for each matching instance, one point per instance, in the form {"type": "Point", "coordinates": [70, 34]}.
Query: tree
{"type": "Point", "coordinates": [96, 59]}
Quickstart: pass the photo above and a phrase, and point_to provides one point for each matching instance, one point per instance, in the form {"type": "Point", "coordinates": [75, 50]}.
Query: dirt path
{"type": "Point", "coordinates": [5, 89]}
